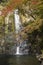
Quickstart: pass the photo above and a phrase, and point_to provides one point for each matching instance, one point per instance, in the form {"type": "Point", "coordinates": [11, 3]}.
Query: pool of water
{"type": "Point", "coordinates": [18, 60]}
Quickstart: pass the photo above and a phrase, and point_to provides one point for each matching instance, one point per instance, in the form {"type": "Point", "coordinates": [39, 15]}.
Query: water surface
{"type": "Point", "coordinates": [18, 60]}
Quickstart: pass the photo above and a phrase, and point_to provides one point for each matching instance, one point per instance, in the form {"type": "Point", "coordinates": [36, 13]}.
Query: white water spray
{"type": "Point", "coordinates": [17, 50]}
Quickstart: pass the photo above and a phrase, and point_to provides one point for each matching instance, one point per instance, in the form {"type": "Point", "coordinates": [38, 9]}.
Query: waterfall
{"type": "Point", "coordinates": [17, 29]}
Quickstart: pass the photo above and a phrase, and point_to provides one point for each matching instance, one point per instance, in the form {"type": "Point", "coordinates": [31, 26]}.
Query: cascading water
{"type": "Point", "coordinates": [17, 29]}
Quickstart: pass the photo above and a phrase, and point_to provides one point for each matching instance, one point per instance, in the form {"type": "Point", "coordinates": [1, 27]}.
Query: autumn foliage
{"type": "Point", "coordinates": [11, 6]}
